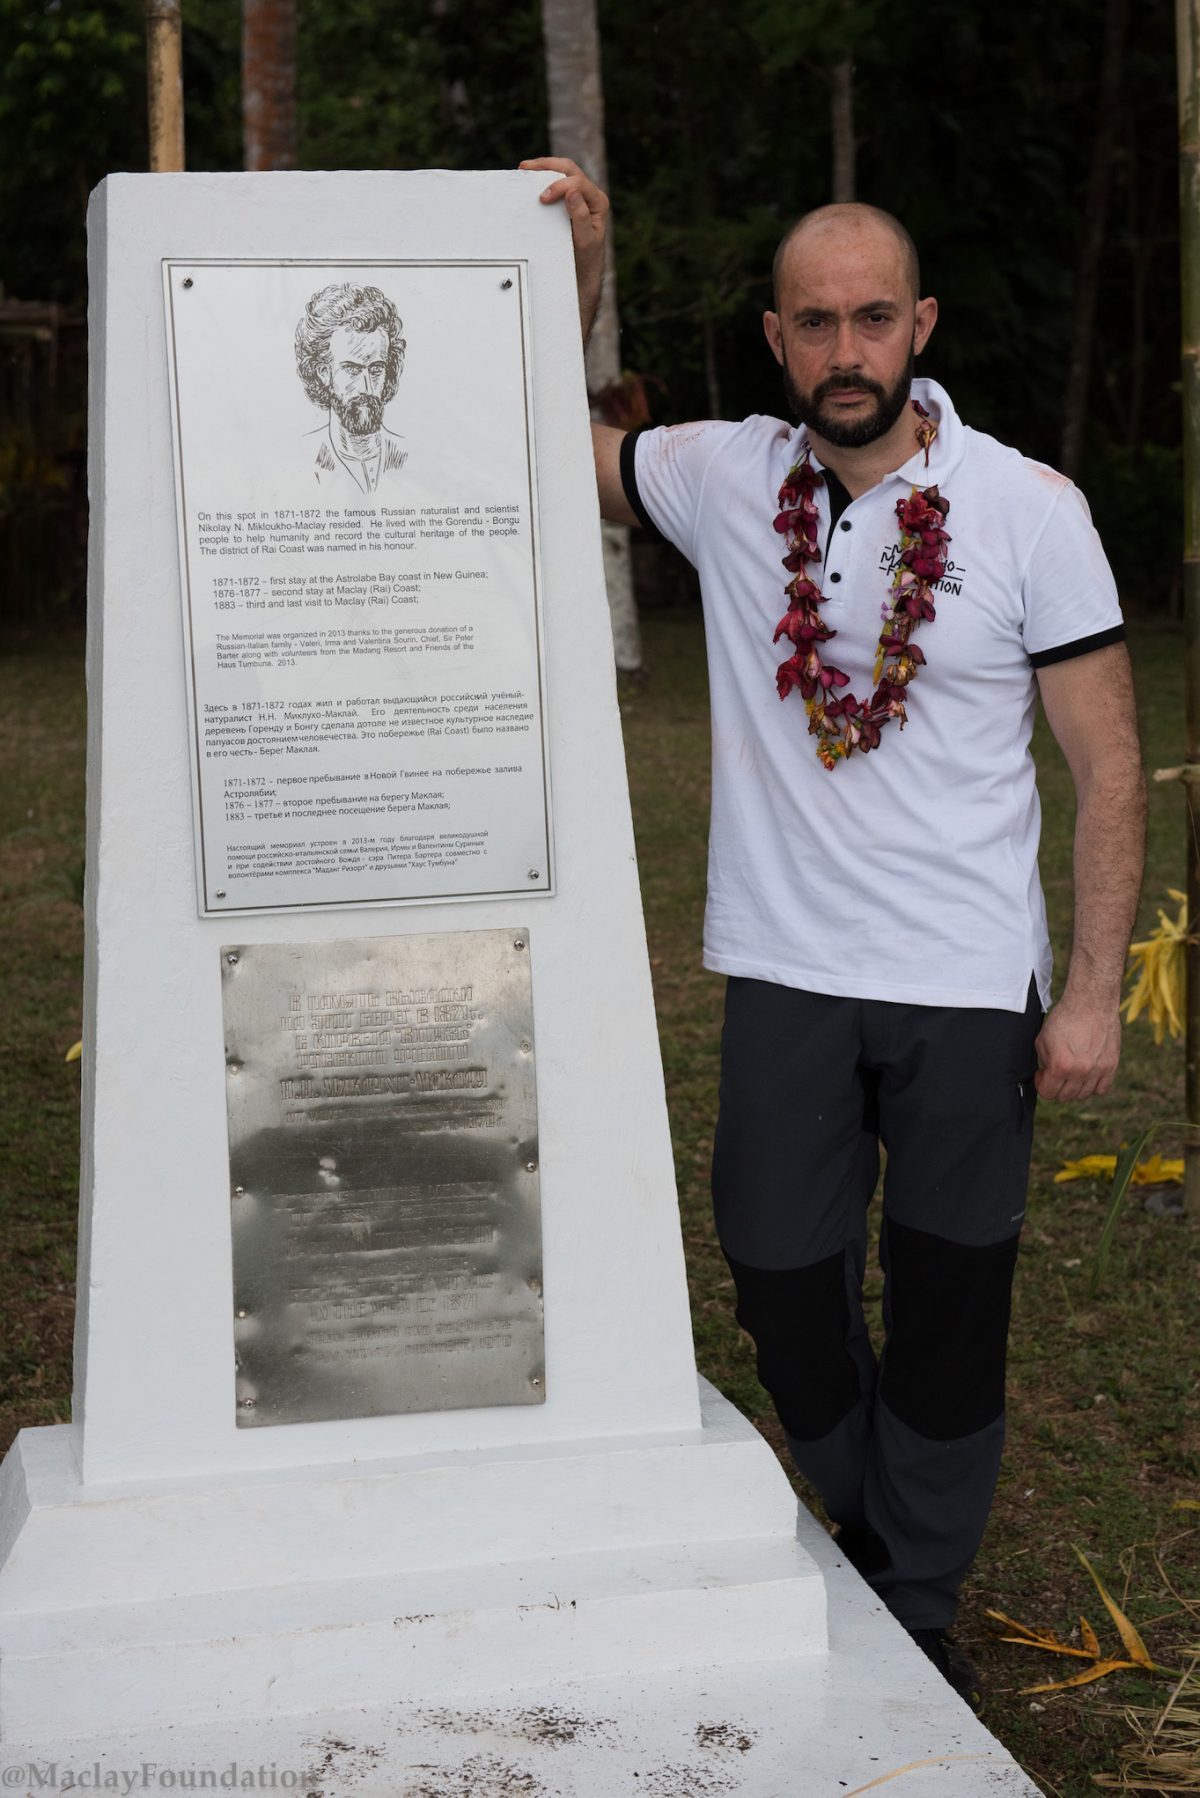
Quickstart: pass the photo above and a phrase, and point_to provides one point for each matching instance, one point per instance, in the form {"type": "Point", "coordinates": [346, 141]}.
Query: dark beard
{"type": "Point", "coordinates": [853, 433]}
{"type": "Point", "coordinates": [361, 415]}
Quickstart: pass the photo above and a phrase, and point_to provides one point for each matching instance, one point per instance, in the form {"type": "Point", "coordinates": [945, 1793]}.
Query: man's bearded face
{"type": "Point", "coordinates": [361, 414]}
{"type": "Point", "coordinates": [836, 427]}
{"type": "Point", "coordinates": [357, 377]}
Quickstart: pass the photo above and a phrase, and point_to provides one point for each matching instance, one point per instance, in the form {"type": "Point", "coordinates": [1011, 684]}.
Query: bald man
{"type": "Point", "coordinates": [873, 888]}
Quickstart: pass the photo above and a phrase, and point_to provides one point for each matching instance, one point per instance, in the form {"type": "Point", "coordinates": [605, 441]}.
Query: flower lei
{"type": "Point", "coordinates": [842, 724]}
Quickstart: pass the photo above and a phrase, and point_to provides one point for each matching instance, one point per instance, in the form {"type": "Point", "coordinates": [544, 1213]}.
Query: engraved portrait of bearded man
{"type": "Point", "coordinates": [350, 356]}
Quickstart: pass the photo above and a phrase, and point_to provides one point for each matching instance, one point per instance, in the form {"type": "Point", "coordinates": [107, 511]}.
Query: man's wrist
{"type": "Point", "coordinates": [589, 307]}
{"type": "Point", "coordinates": [1092, 991]}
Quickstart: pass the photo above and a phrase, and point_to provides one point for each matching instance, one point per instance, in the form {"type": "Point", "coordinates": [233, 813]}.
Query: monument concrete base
{"type": "Point", "coordinates": [682, 1716]}
{"type": "Point", "coordinates": [132, 1606]}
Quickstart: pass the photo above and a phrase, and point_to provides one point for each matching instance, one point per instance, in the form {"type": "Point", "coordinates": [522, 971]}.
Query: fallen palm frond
{"type": "Point", "coordinates": [1156, 1170]}
{"type": "Point", "coordinates": [1166, 1754]}
{"type": "Point", "coordinates": [1156, 969]}
{"type": "Point", "coordinates": [1137, 1656]}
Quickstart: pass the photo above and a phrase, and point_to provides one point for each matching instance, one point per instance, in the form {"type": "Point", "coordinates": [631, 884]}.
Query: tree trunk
{"type": "Point", "coordinates": [269, 84]}
{"type": "Point", "coordinates": [1095, 215]}
{"type": "Point", "coordinates": [1187, 23]}
{"type": "Point", "coordinates": [164, 85]}
{"type": "Point", "coordinates": [576, 94]}
{"type": "Point", "coordinates": [841, 116]}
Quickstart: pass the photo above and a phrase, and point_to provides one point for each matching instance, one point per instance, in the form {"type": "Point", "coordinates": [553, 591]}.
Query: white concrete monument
{"type": "Point", "coordinates": [385, 1389]}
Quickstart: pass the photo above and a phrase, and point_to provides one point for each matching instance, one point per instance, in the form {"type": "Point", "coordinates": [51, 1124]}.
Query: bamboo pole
{"type": "Point", "coordinates": [1187, 28]}
{"type": "Point", "coordinates": [164, 85]}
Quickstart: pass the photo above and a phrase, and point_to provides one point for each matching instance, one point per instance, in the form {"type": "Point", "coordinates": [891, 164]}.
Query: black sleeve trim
{"type": "Point", "coordinates": [629, 482]}
{"type": "Point", "coordinates": [1042, 658]}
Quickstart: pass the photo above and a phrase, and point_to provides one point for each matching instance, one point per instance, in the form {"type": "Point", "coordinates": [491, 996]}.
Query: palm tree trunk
{"type": "Point", "coordinates": [1187, 23]}
{"type": "Point", "coordinates": [841, 117]}
{"type": "Point", "coordinates": [1095, 216]}
{"type": "Point", "coordinates": [164, 85]}
{"type": "Point", "coordinates": [576, 93]}
{"type": "Point", "coordinates": [269, 84]}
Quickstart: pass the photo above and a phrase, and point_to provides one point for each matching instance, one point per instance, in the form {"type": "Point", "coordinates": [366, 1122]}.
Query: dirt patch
{"type": "Point", "coordinates": [483, 1776]}
{"type": "Point", "coordinates": [540, 1724]}
{"type": "Point", "coordinates": [342, 1763]}
{"type": "Point", "coordinates": [688, 1779]}
{"type": "Point", "coordinates": [724, 1738]}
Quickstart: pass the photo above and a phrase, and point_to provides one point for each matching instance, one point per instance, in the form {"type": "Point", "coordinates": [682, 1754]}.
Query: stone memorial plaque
{"type": "Point", "coordinates": [356, 500]}
{"type": "Point", "coordinates": [383, 1168]}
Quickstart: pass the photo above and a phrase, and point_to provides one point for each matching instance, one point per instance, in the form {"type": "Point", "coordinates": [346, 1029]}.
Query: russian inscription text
{"type": "Point", "coordinates": [386, 1226]}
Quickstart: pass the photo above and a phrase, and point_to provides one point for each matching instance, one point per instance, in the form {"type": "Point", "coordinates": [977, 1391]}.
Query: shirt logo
{"type": "Point", "coordinates": [951, 581]}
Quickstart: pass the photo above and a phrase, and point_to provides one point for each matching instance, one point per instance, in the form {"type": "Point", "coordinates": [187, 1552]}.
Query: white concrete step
{"type": "Point", "coordinates": [438, 1633]}
{"type": "Point", "coordinates": [64, 1544]}
{"type": "Point", "coordinates": [870, 1716]}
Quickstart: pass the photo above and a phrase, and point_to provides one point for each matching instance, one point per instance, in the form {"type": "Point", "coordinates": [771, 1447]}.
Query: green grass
{"type": "Point", "coordinates": [1104, 1431]}
{"type": "Point", "coordinates": [41, 863]}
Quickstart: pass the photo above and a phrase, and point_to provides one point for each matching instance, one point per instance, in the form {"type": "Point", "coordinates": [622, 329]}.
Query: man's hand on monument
{"type": "Point", "coordinates": [1078, 1048]}
{"type": "Point", "coordinates": [587, 209]}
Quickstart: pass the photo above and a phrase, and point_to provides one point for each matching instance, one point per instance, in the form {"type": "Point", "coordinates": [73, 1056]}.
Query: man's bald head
{"type": "Point", "coordinates": [851, 216]}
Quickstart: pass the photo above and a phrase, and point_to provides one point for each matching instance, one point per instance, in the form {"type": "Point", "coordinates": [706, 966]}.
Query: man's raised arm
{"type": "Point", "coordinates": [587, 209]}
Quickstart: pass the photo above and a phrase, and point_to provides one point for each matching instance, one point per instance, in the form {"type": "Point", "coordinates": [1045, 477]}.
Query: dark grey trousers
{"type": "Point", "coordinates": [904, 1449]}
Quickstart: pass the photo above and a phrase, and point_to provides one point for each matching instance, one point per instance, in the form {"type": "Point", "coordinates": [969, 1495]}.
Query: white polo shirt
{"type": "Point", "coordinates": [909, 873]}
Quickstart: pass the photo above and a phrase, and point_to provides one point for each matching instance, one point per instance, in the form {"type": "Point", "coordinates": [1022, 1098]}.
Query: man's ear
{"type": "Point", "coordinates": [926, 319]}
{"type": "Point", "coordinates": [774, 335]}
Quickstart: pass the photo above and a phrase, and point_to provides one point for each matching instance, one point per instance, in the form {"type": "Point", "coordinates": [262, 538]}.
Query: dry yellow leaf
{"type": "Point", "coordinates": [1134, 1646]}
{"type": "Point", "coordinates": [1080, 1679]}
{"type": "Point", "coordinates": [1155, 1170]}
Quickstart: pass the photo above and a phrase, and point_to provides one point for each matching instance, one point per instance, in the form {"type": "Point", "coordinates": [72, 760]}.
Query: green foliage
{"type": "Point", "coordinates": [1135, 494]}
{"type": "Point", "coordinates": [974, 125]}
{"type": "Point", "coordinates": [69, 106]}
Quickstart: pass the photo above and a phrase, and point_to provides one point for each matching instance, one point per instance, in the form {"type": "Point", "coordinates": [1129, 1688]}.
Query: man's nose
{"type": "Point", "coordinates": [845, 345]}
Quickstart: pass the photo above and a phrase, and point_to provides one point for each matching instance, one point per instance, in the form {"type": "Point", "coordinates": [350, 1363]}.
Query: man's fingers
{"type": "Point", "coordinates": [563, 164]}
{"type": "Point", "coordinates": [573, 187]}
{"type": "Point", "coordinates": [1066, 1088]}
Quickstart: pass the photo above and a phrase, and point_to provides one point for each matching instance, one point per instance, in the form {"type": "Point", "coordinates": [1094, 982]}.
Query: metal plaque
{"type": "Point", "coordinates": [383, 1166]}
{"type": "Point", "coordinates": [360, 580]}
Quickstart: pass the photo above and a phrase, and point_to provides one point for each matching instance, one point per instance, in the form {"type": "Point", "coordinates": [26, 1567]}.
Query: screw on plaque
{"type": "Point", "coordinates": [187, 280]}
{"type": "Point", "coordinates": [535, 1381]}
{"type": "Point", "coordinates": [534, 874]}
{"type": "Point", "coordinates": [220, 894]}
{"type": "Point", "coordinates": [248, 1403]}
{"type": "Point", "coordinates": [519, 942]}
{"type": "Point", "coordinates": [238, 1191]}
{"type": "Point", "coordinates": [241, 1314]}
{"type": "Point", "coordinates": [231, 959]}
{"type": "Point", "coordinates": [506, 284]}
{"type": "Point", "coordinates": [235, 1067]}
{"type": "Point", "coordinates": [531, 1167]}
{"type": "Point", "coordinates": [526, 1045]}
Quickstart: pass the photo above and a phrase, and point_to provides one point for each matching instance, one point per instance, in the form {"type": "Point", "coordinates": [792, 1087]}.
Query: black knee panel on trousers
{"type": "Point", "coordinates": [943, 1368]}
{"type": "Point", "coordinates": [799, 1318]}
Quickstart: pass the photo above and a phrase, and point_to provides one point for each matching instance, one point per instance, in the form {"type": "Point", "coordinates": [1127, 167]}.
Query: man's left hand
{"type": "Point", "coordinates": [1078, 1049]}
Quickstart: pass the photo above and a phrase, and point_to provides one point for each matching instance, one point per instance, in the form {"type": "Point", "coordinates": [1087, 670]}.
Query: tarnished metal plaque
{"type": "Point", "coordinates": [383, 1168]}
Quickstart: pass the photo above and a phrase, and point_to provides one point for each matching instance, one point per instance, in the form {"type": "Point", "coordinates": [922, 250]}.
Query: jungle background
{"type": "Point", "coordinates": [1031, 150]}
